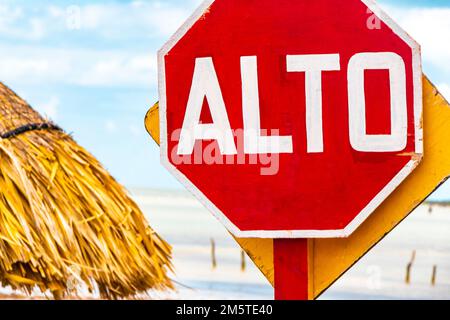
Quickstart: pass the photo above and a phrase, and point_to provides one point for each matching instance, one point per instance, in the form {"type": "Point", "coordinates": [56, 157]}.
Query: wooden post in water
{"type": "Point", "coordinates": [243, 264]}
{"type": "Point", "coordinates": [408, 273]}
{"type": "Point", "coordinates": [213, 254]}
{"type": "Point", "coordinates": [409, 267]}
{"type": "Point", "coordinates": [433, 276]}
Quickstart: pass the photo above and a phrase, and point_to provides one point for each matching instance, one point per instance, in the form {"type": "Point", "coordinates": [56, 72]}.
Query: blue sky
{"type": "Point", "coordinates": [91, 66]}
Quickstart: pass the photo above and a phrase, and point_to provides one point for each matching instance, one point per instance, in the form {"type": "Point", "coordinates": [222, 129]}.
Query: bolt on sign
{"type": "Point", "coordinates": [291, 120]}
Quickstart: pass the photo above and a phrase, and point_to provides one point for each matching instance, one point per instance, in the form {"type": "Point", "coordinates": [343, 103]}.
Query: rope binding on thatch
{"type": "Point", "coordinates": [30, 127]}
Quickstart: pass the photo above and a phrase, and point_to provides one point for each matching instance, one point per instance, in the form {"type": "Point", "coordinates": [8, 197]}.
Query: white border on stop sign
{"type": "Point", "coordinates": [373, 204]}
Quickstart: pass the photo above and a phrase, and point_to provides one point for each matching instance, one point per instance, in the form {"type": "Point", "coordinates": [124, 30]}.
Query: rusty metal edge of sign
{"type": "Point", "coordinates": [370, 207]}
{"type": "Point", "coordinates": [329, 259]}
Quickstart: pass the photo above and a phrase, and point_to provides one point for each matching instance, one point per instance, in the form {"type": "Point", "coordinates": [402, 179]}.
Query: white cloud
{"type": "Point", "coordinates": [112, 20]}
{"type": "Point", "coordinates": [133, 71]}
{"type": "Point", "coordinates": [15, 24]}
{"type": "Point", "coordinates": [34, 64]}
{"type": "Point", "coordinates": [50, 108]}
{"type": "Point", "coordinates": [145, 20]}
{"type": "Point", "coordinates": [115, 20]}
{"type": "Point", "coordinates": [111, 126]}
{"type": "Point", "coordinates": [84, 67]}
{"type": "Point", "coordinates": [136, 130]}
{"type": "Point", "coordinates": [9, 14]}
{"type": "Point", "coordinates": [28, 65]}
{"type": "Point", "coordinates": [431, 28]}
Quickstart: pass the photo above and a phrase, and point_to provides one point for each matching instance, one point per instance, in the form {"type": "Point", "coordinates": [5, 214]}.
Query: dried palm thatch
{"type": "Point", "coordinates": [64, 218]}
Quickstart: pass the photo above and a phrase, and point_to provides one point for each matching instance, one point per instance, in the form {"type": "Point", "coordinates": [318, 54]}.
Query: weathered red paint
{"type": "Point", "coordinates": [291, 269]}
{"type": "Point", "coordinates": [323, 191]}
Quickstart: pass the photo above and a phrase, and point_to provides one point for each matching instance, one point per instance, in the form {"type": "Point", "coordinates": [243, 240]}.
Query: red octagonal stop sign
{"type": "Point", "coordinates": [291, 118]}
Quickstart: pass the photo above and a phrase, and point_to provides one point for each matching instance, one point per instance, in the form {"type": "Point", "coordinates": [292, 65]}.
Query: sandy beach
{"type": "Point", "coordinates": [182, 220]}
{"type": "Point", "coordinates": [189, 228]}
